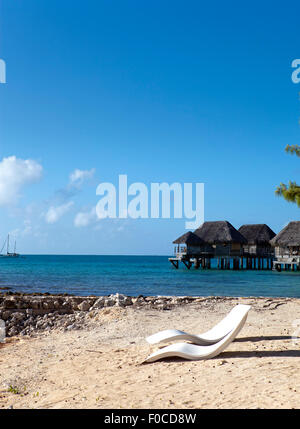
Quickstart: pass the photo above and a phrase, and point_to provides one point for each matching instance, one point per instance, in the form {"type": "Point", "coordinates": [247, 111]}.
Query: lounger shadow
{"type": "Point", "coordinates": [214, 335]}
{"type": "Point", "coordinates": [196, 352]}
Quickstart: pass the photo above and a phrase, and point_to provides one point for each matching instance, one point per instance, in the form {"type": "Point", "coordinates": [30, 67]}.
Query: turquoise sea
{"type": "Point", "coordinates": [137, 275]}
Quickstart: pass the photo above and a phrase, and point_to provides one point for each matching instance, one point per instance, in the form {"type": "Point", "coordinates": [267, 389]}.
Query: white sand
{"type": "Point", "coordinates": [101, 367]}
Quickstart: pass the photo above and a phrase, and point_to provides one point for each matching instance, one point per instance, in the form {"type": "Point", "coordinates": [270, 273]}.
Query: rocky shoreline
{"type": "Point", "coordinates": [26, 314]}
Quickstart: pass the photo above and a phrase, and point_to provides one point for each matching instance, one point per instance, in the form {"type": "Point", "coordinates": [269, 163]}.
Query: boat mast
{"type": "Point", "coordinates": [7, 243]}
{"type": "Point", "coordinates": [3, 246]}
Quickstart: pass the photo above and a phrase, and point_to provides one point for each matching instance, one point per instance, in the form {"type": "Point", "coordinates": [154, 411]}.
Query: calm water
{"type": "Point", "coordinates": [135, 275]}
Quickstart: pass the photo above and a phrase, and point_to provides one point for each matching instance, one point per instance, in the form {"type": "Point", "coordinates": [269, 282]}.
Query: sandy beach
{"type": "Point", "coordinates": [101, 366]}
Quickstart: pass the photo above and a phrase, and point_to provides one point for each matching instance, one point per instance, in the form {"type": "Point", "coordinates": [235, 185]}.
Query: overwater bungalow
{"type": "Point", "coordinates": [187, 246]}
{"type": "Point", "coordinates": [188, 243]}
{"type": "Point", "coordinates": [258, 250]}
{"type": "Point", "coordinates": [287, 247]}
{"type": "Point", "coordinates": [221, 238]}
{"type": "Point", "coordinates": [218, 239]}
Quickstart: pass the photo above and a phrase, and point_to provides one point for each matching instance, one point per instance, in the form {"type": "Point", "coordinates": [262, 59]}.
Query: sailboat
{"type": "Point", "coordinates": [8, 254]}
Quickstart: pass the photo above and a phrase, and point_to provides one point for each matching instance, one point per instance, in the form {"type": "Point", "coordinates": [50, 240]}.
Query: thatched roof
{"type": "Point", "coordinates": [219, 232]}
{"type": "Point", "coordinates": [189, 238]}
{"type": "Point", "coordinates": [288, 236]}
{"type": "Point", "coordinates": [257, 233]}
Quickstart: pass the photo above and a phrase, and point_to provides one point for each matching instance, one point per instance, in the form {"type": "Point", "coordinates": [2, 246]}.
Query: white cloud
{"type": "Point", "coordinates": [74, 186]}
{"type": "Point", "coordinates": [22, 232]}
{"type": "Point", "coordinates": [77, 177]}
{"type": "Point", "coordinates": [54, 213]}
{"type": "Point", "coordinates": [16, 173]}
{"type": "Point", "coordinates": [85, 218]}
{"type": "Point", "coordinates": [29, 228]}
{"type": "Point", "coordinates": [90, 218]}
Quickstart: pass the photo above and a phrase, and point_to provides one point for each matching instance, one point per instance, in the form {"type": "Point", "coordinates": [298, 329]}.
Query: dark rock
{"type": "Point", "coordinates": [9, 303]}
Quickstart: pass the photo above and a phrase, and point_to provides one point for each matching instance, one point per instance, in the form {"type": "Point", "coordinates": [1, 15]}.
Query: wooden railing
{"type": "Point", "coordinates": [180, 251]}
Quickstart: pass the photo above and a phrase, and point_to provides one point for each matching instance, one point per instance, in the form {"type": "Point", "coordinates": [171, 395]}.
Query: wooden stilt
{"type": "Point", "coordinates": [174, 262]}
{"type": "Point", "coordinates": [188, 264]}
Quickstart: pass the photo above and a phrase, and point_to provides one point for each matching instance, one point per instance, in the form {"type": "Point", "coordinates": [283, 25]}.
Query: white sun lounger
{"type": "Point", "coordinates": [196, 352]}
{"type": "Point", "coordinates": [212, 336]}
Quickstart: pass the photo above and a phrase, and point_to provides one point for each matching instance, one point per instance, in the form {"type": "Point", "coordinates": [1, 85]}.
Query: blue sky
{"type": "Point", "coordinates": [161, 91]}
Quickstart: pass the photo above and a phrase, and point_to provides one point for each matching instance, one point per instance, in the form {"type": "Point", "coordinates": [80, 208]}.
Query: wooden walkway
{"type": "Point", "coordinates": [286, 264]}
{"type": "Point", "coordinates": [224, 262]}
